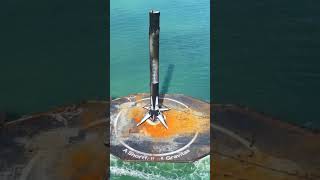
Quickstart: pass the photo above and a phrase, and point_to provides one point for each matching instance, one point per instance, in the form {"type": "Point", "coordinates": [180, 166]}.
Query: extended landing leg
{"type": "Point", "coordinates": [155, 113]}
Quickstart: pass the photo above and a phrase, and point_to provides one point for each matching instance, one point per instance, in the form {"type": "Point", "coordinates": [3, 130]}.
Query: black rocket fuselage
{"type": "Point", "coordinates": [154, 31]}
{"type": "Point", "coordinates": [154, 110]}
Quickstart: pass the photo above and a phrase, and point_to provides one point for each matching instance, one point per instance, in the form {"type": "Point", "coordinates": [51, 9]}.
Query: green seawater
{"type": "Point", "coordinates": [266, 56]}
{"type": "Point", "coordinates": [184, 68]}
{"type": "Point", "coordinates": [52, 53]}
{"type": "Point", "coordinates": [184, 47]}
{"type": "Point", "coordinates": [121, 170]}
{"type": "Point", "coordinates": [266, 53]}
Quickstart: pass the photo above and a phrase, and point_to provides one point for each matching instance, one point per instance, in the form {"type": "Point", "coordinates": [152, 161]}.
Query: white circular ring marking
{"type": "Point", "coordinates": [149, 154]}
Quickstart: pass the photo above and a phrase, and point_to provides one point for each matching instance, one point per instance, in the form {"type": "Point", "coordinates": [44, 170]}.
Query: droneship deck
{"type": "Point", "coordinates": [187, 138]}
{"type": "Point", "coordinates": [65, 143]}
{"type": "Point", "coordinates": [68, 143]}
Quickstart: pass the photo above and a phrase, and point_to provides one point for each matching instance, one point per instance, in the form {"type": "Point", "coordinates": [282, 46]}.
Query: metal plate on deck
{"type": "Point", "coordinates": [250, 145]}
{"type": "Point", "coordinates": [66, 143]}
{"type": "Point", "coordinates": [187, 139]}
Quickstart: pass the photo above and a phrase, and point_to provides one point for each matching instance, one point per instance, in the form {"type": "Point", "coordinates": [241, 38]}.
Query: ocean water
{"type": "Point", "coordinates": [266, 56]}
{"type": "Point", "coordinates": [52, 53]}
{"type": "Point", "coordinates": [184, 47]}
{"type": "Point", "coordinates": [121, 170]}
{"type": "Point", "coordinates": [266, 53]}
{"type": "Point", "coordinates": [184, 68]}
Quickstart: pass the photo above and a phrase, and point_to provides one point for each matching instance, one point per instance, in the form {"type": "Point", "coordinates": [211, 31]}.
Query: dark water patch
{"type": "Point", "coordinates": [266, 57]}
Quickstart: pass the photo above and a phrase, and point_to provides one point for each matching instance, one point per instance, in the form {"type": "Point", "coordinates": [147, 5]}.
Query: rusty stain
{"type": "Point", "coordinates": [93, 112]}
{"type": "Point", "coordinates": [179, 122]}
{"type": "Point", "coordinates": [85, 163]}
{"type": "Point", "coordinates": [139, 97]}
{"type": "Point", "coordinates": [243, 168]}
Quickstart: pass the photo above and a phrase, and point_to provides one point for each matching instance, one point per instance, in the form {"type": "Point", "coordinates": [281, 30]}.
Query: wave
{"type": "Point", "coordinates": [158, 170]}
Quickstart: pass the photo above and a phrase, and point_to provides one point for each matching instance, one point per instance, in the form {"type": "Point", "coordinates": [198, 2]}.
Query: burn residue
{"type": "Point", "coordinates": [180, 122]}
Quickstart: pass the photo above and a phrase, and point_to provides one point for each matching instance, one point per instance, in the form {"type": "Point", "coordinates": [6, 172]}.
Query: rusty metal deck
{"type": "Point", "coordinates": [66, 143]}
{"type": "Point", "coordinates": [187, 139]}
{"type": "Point", "coordinates": [250, 145]}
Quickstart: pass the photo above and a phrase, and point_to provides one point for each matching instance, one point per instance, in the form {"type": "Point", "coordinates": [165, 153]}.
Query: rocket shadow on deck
{"type": "Point", "coordinates": [166, 83]}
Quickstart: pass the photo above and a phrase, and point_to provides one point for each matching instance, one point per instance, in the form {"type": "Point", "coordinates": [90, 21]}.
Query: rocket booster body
{"type": "Point", "coordinates": [154, 31]}
{"type": "Point", "coordinates": [154, 110]}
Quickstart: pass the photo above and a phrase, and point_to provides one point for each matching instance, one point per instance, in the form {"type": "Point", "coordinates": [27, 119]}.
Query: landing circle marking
{"type": "Point", "coordinates": [149, 154]}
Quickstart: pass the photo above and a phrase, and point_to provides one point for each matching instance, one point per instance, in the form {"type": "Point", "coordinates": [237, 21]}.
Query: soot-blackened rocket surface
{"type": "Point", "coordinates": [154, 109]}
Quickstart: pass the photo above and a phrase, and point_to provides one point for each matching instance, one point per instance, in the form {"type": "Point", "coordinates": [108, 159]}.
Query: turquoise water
{"type": "Point", "coordinates": [184, 47]}
{"type": "Point", "coordinates": [184, 68]}
{"type": "Point", "coordinates": [266, 53]}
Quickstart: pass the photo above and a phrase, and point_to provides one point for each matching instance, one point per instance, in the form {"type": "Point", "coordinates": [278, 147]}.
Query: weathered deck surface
{"type": "Point", "coordinates": [66, 143]}
{"type": "Point", "coordinates": [250, 145]}
{"type": "Point", "coordinates": [187, 139]}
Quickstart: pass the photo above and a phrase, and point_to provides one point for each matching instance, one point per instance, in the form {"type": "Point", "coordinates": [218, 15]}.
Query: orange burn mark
{"type": "Point", "coordinates": [85, 163]}
{"type": "Point", "coordinates": [138, 97]}
{"type": "Point", "coordinates": [179, 122]}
